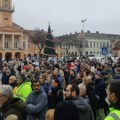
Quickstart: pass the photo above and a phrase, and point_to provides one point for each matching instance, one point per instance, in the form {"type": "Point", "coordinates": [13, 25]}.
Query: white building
{"type": "Point", "coordinates": [89, 44]}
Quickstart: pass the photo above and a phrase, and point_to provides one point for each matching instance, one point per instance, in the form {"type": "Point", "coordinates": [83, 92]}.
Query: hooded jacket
{"type": "Point", "coordinates": [14, 106]}
{"type": "Point", "coordinates": [24, 90]}
{"type": "Point", "coordinates": [36, 105]}
{"type": "Point", "coordinates": [77, 109]}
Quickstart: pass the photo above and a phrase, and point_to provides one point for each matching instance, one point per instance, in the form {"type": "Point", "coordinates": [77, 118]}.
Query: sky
{"type": "Point", "coordinates": [65, 16]}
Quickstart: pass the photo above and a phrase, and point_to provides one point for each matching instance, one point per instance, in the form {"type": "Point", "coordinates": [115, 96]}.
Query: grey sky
{"type": "Point", "coordinates": [65, 15]}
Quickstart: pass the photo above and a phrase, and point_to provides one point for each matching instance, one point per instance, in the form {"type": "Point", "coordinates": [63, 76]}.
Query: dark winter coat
{"type": "Point", "coordinates": [72, 79]}
{"type": "Point", "coordinates": [14, 106]}
{"type": "Point", "coordinates": [5, 79]}
{"type": "Point", "coordinates": [100, 92]}
{"type": "Point", "coordinates": [90, 91]}
{"type": "Point", "coordinates": [55, 97]}
{"type": "Point", "coordinates": [77, 109]}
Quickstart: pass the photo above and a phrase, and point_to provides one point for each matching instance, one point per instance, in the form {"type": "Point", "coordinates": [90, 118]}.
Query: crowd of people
{"type": "Point", "coordinates": [76, 89]}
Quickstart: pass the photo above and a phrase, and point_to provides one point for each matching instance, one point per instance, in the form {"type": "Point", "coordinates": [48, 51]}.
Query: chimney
{"type": "Point", "coordinates": [81, 31]}
{"type": "Point", "coordinates": [97, 32]}
{"type": "Point", "coordinates": [88, 31]}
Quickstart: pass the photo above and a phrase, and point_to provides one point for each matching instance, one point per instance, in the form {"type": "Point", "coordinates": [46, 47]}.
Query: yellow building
{"type": "Point", "coordinates": [14, 41]}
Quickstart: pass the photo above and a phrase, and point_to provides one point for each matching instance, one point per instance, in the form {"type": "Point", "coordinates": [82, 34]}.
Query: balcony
{"type": "Point", "coordinates": [7, 9]}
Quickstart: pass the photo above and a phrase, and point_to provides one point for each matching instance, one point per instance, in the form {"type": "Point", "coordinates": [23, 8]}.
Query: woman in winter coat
{"type": "Point", "coordinates": [55, 94]}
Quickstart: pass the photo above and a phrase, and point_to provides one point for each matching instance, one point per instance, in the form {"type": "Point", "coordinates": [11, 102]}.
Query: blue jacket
{"type": "Point", "coordinates": [36, 105]}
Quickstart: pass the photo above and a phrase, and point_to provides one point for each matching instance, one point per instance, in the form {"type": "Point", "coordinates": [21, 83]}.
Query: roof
{"type": "Point", "coordinates": [89, 35]}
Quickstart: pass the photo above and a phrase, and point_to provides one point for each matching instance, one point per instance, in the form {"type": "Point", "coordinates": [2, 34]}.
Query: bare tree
{"type": "Point", "coordinates": [39, 38]}
{"type": "Point", "coordinates": [80, 44]}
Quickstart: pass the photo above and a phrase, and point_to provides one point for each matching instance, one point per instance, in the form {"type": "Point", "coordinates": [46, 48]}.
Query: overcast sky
{"type": "Point", "coordinates": [65, 15]}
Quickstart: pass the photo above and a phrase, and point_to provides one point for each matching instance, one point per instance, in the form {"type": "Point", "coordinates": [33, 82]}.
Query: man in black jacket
{"type": "Point", "coordinates": [74, 107]}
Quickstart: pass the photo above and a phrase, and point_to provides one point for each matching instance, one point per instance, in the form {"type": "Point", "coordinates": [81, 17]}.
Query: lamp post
{"type": "Point", "coordinates": [83, 21]}
{"type": "Point", "coordinates": [83, 43]}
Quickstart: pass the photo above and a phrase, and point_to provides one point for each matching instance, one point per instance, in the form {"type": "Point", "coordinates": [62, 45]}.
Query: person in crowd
{"type": "Point", "coordinates": [29, 76]}
{"type": "Point", "coordinates": [12, 70]}
{"type": "Point", "coordinates": [61, 73]}
{"type": "Point", "coordinates": [48, 73]}
{"type": "Point", "coordinates": [90, 91]}
{"type": "Point", "coordinates": [5, 75]}
{"type": "Point", "coordinates": [10, 105]}
{"type": "Point", "coordinates": [57, 76]}
{"type": "Point", "coordinates": [113, 96]}
{"type": "Point", "coordinates": [117, 73]}
{"type": "Point", "coordinates": [55, 95]}
{"type": "Point", "coordinates": [78, 78]}
{"type": "Point", "coordinates": [11, 117]}
{"type": "Point", "coordinates": [82, 92]}
{"type": "Point", "coordinates": [74, 107]}
{"type": "Point", "coordinates": [13, 83]}
{"type": "Point", "coordinates": [37, 72]}
{"type": "Point", "coordinates": [24, 87]}
{"type": "Point", "coordinates": [36, 103]}
{"type": "Point", "coordinates": [31, 68]}
{"type": "Point", "coordinates": [66, 75]}
{"type": "Point", "coordinates": [107, 73]}
{"type": "Point", "coordinates": [100, 95]}
{"type": "Point", "coordinates": [72, 76]}
{"type": "Point", "coordinates": [50, 114]}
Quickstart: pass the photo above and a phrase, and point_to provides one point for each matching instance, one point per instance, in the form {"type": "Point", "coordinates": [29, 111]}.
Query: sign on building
{"type": "Point", "coordinates": [104, 50]}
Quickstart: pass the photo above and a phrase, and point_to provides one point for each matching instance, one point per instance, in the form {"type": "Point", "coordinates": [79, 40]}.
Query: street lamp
{"type": "Point", "coordinates": [83, 41]}
{"type": "Point", "coordinates": [83, 21]}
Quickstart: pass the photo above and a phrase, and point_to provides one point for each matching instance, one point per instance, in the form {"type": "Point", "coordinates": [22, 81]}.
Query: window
{"type": "Point", "coordinates": [104, 44]}
{"type": "Point", "coordinates": [91, 44]}
{"type": "Point", "coordinates": [100, 44]}
{"type": "Point", "coordinates": [16, 44]}
{"type": "Point", "coordinates": [6, 6]}
{"type": "Point", "coordinates": [61, 54]}
{"type": "Point", "coordinates": [6, 44]}
{"type": "Point", "coordinates": [108, 44]}
{"type": "Point", "coordinates": [97, 44]}
{"type": "Point", "coordinates": [29, 45]}
{"type": "Point", "coordinates": [24, 45]}
{"type": "Point", "coordinates": [76, 53]}
{"type": "Point", "coordinates": [86, 45]}
{"type": "Point", "coordinates": [94, 44]}
{"type": "Point", "coordinates": [91, 52]}
{"type": "Point", "coordinates": [97, 52]}
{"type": "Point", "coordinates": [5, 18]}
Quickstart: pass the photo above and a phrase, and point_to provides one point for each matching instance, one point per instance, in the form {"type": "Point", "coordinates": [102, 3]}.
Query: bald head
{"type": "Point", "coordinates": [12, 78]}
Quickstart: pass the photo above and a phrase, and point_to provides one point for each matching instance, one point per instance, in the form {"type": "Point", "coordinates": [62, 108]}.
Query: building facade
{"type": "Point", "coordinates": [90, 44]}
{"type": "Point", "coordinates": [14, 40]}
